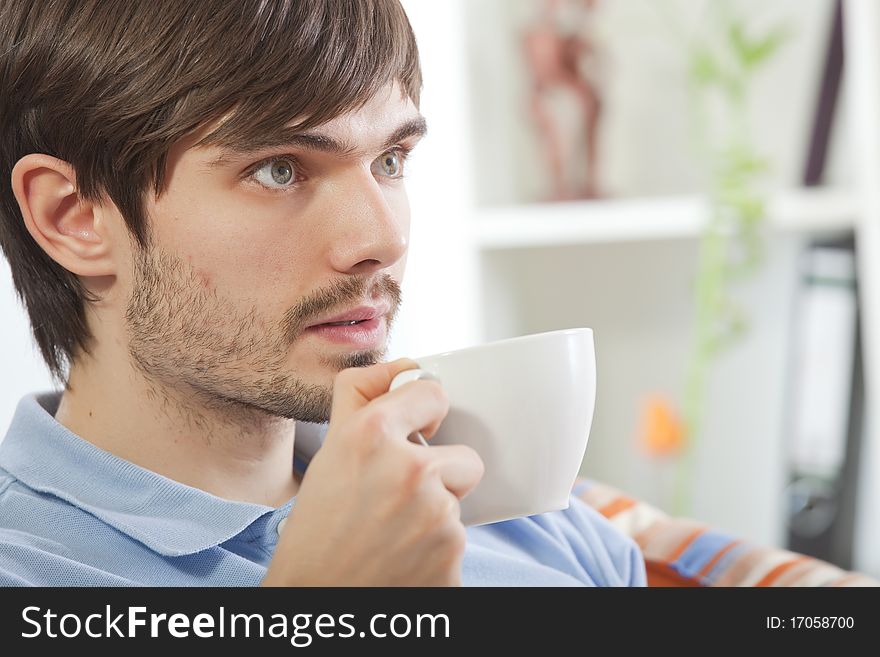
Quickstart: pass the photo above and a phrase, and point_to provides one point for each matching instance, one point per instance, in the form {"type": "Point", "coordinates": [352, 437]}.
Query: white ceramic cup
{"type": "Point", "coordinates": [525, 405]}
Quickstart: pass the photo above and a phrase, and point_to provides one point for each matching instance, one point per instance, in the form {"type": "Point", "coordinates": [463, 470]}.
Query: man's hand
{"type": "Point", "coordinates": [375, 509]}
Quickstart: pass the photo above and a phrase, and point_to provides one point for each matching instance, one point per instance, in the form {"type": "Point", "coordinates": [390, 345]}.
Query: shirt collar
{"type": "Point", "coordinates": [167, 516]}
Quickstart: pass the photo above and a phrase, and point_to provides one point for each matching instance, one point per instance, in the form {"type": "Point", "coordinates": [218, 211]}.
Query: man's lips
{"type": "Point", "coordinates": [363, 334]}
{"type": "Point", "coordinates": [359, 314]}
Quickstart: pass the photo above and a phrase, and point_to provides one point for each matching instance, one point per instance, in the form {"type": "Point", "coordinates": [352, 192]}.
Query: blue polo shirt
{"type": "Point", "coordinates": [72, 514]}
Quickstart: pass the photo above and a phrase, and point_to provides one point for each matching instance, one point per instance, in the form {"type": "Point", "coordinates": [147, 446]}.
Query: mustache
{"type": "Point", "coordinates": [343, 292]}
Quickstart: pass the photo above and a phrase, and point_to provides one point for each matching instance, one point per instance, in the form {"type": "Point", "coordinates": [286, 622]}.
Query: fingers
{"type": "Point", "coordinates": [415, 406]}
{"type": "Point", "coordinates": [376, 415]}
{"type": "Point", "coordinates": [355, 387]}
{"type": "Point", "coordinates": [361, 396]}
{"type": "Point", "coordinates": [460, 467]}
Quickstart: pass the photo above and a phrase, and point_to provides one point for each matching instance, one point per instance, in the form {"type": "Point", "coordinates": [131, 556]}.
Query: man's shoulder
{"type": "Point", "coordinates": [22, 508]}
{"type": "Point", "coordinates": [14, 492]}
{"type": "Point", "coordinates": [577, 539]}
{"type": "Point", "coordinates": [25, 545]}
{"type": "Point", "coordinates": [43, 521]}
{"type": "Point", "coordinates": [6, 480]}
{"type": "Point", "coordinates": [48, 541]}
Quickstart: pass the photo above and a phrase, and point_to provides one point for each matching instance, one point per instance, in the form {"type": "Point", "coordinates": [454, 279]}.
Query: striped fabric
{"type": "Point", "coordinates": [683, 552]}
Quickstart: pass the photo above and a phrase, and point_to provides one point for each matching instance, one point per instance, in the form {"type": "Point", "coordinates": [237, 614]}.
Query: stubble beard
{"type": "Point", "coordinates": [197, 349]}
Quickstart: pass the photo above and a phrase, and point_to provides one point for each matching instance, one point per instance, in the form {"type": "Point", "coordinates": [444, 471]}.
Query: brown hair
{"type": "Point", "coordinates": [110, 85]}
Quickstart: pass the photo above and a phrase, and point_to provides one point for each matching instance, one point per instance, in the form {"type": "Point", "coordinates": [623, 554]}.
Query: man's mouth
{"type": "Point", "coordinates": [351, 323]}
{"type": "Point", "coordinates": [358, 334]}
{"type": "Point", "coordinates": [354, 316]}
{"type": "Point", "coordinates": [363, 327]}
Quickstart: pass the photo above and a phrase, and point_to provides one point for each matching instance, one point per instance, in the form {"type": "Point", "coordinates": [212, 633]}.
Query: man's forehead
{"type": "Point", "coordinates": [367, 128]}
{"type": "Point", "coordinates": [384, 120]}
{"type": "Point", "coordinates": [387, 107]}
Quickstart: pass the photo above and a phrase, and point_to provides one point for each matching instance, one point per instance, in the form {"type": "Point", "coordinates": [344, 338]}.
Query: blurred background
{"type": "Point", "coordinates": [695, 181]}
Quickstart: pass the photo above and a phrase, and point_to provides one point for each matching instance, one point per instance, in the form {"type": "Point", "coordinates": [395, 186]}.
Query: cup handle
{"type": "Point", "coordinates": [405, 377]}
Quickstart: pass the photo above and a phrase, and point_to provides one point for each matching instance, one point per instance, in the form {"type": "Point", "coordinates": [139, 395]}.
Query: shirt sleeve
{"type": "Point", "coordinates": [577, 542]}
{"type": "Point", "coordinates": [611, 557]}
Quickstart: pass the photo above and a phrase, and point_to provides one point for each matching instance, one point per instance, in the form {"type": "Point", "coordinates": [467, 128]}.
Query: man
{"type": "Point", "coordinates": [204, 213]}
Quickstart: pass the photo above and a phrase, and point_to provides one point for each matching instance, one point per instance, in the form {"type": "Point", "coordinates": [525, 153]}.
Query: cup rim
{"type": "Point", "coordinates": [507, 341]}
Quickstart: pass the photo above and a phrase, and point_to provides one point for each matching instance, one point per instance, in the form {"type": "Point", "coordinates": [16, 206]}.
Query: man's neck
{"type": "Point", "coordinates": [233, 452]}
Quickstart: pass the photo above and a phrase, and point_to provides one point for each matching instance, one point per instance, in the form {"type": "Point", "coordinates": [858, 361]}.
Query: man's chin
{"type": "Point", "coordinates": [310, 399]}
{"type": "Point", "coordinates": [308, 404]}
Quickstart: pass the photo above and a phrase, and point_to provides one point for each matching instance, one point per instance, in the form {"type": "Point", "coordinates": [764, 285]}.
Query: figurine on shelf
{"type": "Point", "coordinates": [562, 55]}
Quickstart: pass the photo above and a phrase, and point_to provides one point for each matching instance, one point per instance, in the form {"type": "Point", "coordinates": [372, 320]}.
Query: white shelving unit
{"type": "Point", "coordinates": [541, 225]}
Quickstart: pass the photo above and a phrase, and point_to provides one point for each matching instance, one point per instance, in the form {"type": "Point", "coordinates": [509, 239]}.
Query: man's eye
{"type": "Point", "coordinates": [276, 173]}
{"type": "Point", "coordinates": [389, 164]}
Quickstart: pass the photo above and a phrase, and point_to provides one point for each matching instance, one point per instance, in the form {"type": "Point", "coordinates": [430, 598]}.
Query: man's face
{"type": "Point", "coordinates": [249, 251]}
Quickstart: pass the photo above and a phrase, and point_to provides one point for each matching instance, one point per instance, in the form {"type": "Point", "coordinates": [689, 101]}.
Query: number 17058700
{"type": "Point", "coordinates": [810, 622]}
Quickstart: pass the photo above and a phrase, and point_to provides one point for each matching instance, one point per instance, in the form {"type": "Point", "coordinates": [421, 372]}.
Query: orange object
{"type": "Point", "coordinates": [662, 432]}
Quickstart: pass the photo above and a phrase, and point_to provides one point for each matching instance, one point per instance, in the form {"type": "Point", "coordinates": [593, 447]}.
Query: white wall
{"type": "Point", "coordinates": [439, 310]}
{"type": "Point", "coordinates": [862, 27]}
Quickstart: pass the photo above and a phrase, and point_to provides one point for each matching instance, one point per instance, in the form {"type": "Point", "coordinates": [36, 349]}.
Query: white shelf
{"type": "Point", "coordinates": [585, 222]}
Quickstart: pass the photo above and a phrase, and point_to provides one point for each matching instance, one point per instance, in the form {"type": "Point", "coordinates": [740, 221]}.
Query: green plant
{"type": "Point", "coordinates": [723, 61]}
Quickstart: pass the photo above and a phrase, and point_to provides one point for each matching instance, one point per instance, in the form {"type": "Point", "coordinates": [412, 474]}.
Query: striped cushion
{"type": "Point", "coordinates": [683, 552]}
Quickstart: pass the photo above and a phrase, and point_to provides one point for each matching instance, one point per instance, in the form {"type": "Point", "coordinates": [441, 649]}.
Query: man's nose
{"type": "Point", "coordinates": [371, 230]}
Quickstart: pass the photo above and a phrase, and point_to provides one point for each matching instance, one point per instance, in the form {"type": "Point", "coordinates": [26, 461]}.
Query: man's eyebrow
{"type": "Point", "coordinates": [416, 127]}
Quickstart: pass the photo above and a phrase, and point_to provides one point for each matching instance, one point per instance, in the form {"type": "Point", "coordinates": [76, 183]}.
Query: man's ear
{"type": "Point", "coordinates": [71, 231]}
